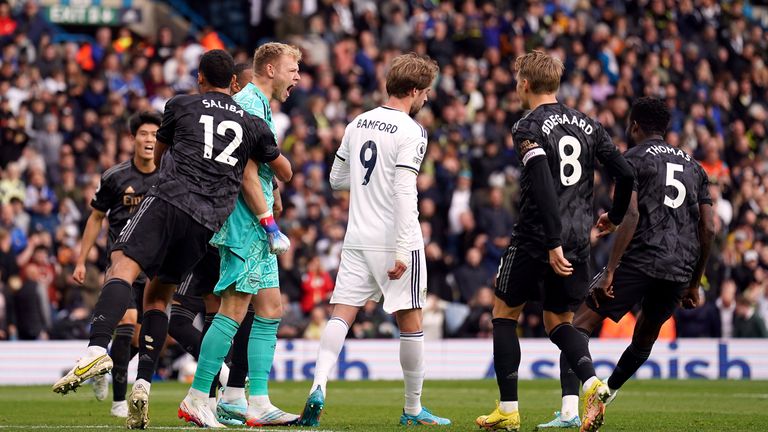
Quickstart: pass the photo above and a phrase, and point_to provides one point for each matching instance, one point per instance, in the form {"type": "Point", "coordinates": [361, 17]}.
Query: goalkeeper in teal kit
{"type": "Point", "coordinates": [247, 245]}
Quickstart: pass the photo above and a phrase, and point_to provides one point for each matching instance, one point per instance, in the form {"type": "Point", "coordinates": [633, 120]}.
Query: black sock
{"type": "Point", "coordinates": [113, 302]}
{"type": "Point", "coordinates": [180, 328]}
{"type": "Point", "coordinates": [154, 330]}
{"type": "Point", "coordinates": [239, 369]}
{"type": "Point", "coordinates": [576, 349]}
{"type": "Point", "coordinates": [628, 364]}
{"type": "Point", "coordinates": [569, 382]}
{"type": "Point", "coordinates": [133, 351]}
{"type": "Point", "coordinates": [120, 353]}
{"type": "Point", "coordinates": [506, 357]}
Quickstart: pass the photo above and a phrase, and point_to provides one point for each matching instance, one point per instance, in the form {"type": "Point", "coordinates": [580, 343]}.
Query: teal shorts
{"type": "Point", "coordinates": [255, 272]}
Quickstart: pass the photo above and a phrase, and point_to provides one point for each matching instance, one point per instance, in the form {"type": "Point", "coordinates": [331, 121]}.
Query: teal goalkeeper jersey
{"type": "Point", "coordinates": [242, 228]}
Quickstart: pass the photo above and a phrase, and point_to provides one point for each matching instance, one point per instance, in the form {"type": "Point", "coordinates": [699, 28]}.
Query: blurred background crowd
{"type": "Point", "coordinates": [64, 106]}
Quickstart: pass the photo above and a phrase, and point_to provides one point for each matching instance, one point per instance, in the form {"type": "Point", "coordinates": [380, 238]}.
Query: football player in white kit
{"type": "Point", "coordinates": [383, 254]}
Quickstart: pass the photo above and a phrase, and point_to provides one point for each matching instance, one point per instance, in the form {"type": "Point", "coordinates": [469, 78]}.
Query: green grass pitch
{"type": "Point", "coordinates": [646, 406]}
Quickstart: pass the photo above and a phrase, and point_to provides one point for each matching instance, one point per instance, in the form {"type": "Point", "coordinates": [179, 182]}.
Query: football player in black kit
{"type": "Point", "coordinates": [202, 148]}
{"type": "Point", "coordinates": [120, 192]}
{"type": "Point", "coordinates": [548, 255]}
{"type": "Point", "coordinates": [660, 250]}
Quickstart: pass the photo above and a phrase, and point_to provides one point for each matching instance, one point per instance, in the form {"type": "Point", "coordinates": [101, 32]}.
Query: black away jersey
{"type": "Point", "coordinates": [211, 138]}
{"type": "Point", "coordinates": [571, 142]}
{"type": "Point", "coordinates": [670, 187]}
{"type": "Point", "coordinates": [120, 192]}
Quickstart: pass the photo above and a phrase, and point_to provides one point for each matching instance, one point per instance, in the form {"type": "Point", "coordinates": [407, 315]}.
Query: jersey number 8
{"type": "Point", "coordinates": [368, 159]}
{"type": "Point", "coordinates": [569, 159]}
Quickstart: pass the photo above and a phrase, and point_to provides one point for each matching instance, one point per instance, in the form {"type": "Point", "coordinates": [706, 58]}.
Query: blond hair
{"type": "Point", "coordinates": [410, 71]}
{"type": "Point", "coordinates": [541, 70]}
{"type": "Point", "coordinates": [270, 52]}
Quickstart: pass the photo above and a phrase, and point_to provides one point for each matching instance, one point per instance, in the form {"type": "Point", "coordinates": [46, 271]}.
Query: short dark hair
{"type": "Point", "coordinates": [652, 114]}
{"type": "Point", "coordinates": [142, 118]}
{"type": "Point", "coordinates": [217, 66]}
{"type": "Point", "coordinates": [241, 67]}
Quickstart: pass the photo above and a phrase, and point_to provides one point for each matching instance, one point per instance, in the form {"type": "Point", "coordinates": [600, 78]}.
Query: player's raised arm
{"type": "Point", "coordinates": [622, 174]}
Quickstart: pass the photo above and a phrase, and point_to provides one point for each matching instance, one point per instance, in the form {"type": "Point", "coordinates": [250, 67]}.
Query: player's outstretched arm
{"type": "Point", "coordinates": [339, 177]}
{"type": "Point", "coordinates": [282, 168]}
{"type": "Point", "coordinates": [92, 228]}
{"type": "Point", "coordinates": [706, 235]}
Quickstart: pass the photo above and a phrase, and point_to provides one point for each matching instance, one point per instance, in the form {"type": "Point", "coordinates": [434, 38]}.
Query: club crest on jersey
{"type": "Point", "coordinates": [209, 103]}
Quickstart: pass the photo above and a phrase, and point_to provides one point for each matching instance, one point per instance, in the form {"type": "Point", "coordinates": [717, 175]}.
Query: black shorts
{"type": "Point", "coordinates": [658, 298]}
{"type": "Point", "coordinates": [200, 281]}
{"type": "Point", "coordinates": [522, 278]}
{"type": "Point", "coordinates": [165, 241]}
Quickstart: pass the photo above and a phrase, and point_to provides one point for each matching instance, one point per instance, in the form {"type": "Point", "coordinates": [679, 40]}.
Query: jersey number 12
{"type": "Point", "coordinates": [225, 156]}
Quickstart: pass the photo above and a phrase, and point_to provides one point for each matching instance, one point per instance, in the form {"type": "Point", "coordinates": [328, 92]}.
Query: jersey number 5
{"type": "Point", "coordinates": [368, 159]}
{"type": "Point", "coordinates": [673, 168]}
{"type": "Point", "coordinates": [569, 159]}
{"type": "Point", "coordinates": [225, 156]}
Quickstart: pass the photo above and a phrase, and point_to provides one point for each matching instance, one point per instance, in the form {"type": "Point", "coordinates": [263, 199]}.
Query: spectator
{"type": "Point", "coordinates": [26, 319]}
{"type": "Point", "coordinates": [703, 321]}
{"type": "Point", "coordinates": [470, 276]}
{"type": "Point", "coordinates": [726, 305]}
{"type": "Point", "coordinates": [317, 320]}
{"type": "Point", "coordinates": [747, 322]}
{"type": "Point", "coordinates": [316, 285]}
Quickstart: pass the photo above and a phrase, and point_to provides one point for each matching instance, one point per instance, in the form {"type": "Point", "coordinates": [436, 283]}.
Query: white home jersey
{"type": "Point", "coordinates": [376, 145]}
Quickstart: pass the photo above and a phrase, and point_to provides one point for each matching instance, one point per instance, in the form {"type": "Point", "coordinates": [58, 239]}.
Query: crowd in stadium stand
{"type": "Point", "coordinates": [64, 106]}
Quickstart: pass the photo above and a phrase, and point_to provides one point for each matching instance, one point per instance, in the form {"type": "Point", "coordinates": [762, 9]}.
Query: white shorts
{"type": "Point", "coordinates": [363, 276]}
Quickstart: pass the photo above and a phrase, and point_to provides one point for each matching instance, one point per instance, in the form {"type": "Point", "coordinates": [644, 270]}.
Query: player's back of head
{"type": "Point", "coordinates": [542, 71]}
{"type": "Point", "coordinates": [142, 118]}
{"type": "Point", "coordinates": [408, 72]}
{"type": "Point", "coordinates": [217, 67]}
{"type": "Point", "coordinates": [651, 114]}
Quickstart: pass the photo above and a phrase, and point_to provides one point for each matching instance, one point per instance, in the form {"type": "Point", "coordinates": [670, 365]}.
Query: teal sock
{"type": "Point", "coordinates": [261, 352]}
{"type": "Point", "coordinates": [213, 349]}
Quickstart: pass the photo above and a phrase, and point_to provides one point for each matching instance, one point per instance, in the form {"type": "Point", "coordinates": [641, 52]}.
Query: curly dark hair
{"type": "Point", "coordinates": [652, 114]}
{"type": "Point", "coordinates": [217, 66]}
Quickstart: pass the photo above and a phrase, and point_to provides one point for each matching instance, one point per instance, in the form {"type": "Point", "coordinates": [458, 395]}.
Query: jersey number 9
{"type": "Point", "coordinates": [368, 159]}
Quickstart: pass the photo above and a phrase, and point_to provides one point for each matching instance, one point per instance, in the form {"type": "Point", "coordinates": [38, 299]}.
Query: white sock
{"type": "Point", "coordinates": [117, 404]}
{"type": "Point", "coordinates": [212, 404]}
{"type": "Point", "coordinates": [233, 394]}
{"type": "Point", "coordinates": [259, 405]}
{"type": "Point", "coordinates": [197, 394]}
{"type": "Point", "coordinates": [508, 407]}
{"type": "Point", "coordinates": [570, 408]}
{"type": "Point", "coordinates": [412, 363]}
{"type": "Point", "coordinates": [144, 383]}
{"type": "Point", "coordinates": [588, 383]}
{"type": "Point", "coordinates": [95, 351]}
{"type": "Point", "coordinates": [331, 344]}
